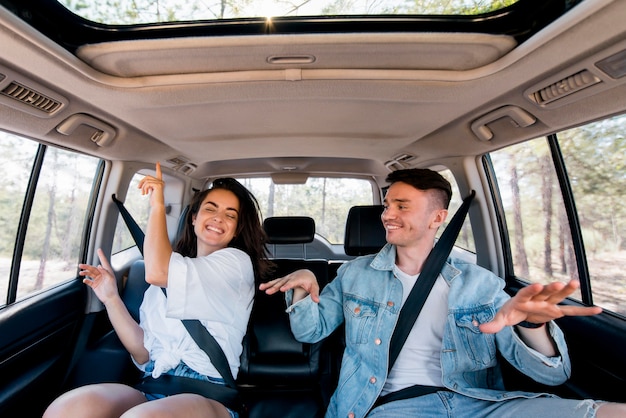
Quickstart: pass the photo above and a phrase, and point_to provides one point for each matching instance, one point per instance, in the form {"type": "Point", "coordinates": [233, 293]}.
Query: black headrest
{"type": "Point", "coordinates": [289, 229]}
{"type": "Point", "coordinates": [365, 233]}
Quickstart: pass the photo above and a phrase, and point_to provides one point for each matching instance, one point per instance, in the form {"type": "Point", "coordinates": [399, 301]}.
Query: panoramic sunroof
{"type": "Point", "coordinates": [74, 23]}
{"type": "Point", "coordinates": [127, 12]}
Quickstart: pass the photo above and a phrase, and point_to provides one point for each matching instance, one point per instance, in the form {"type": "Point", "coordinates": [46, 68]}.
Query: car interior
{"type": "Point", "coordinates": [522, 102]}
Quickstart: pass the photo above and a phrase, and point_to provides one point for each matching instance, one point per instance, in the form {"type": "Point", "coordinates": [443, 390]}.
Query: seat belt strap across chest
{"type": "Point", "coordinates": [430, 271]}
{"type": "Point", "coordinates": [210, 346]}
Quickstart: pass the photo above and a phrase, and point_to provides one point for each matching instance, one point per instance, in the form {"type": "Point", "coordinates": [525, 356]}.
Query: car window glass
{"type": "Point", "coordinates": [149, 11]}
{"type": "Point", "coordinates": [56, 224]}
{"type": "Point", "coordinates": [595, 158]}
{"type": "Point", "coordinates": [465, 239]}
{"type": "Point", "coordinates": [16, 162]}
{"type": "Point", "coordinates": [327, 200]}
{"type": "Point", "coordinates": [54, 233]}
{"type": "Point", "coordinates": [538, 227]}
{"type": "Point", "coordinates": [139, 207]}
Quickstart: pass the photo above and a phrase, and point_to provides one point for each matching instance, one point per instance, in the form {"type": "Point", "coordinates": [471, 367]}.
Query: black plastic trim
{"type": "Point", "coordinates": [572, 217]}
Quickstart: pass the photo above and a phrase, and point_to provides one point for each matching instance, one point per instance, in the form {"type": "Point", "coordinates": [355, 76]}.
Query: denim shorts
{"type": "Point", "coordinates": [455, 405]}
{"type": "Point", "coordinates": [183, 370]}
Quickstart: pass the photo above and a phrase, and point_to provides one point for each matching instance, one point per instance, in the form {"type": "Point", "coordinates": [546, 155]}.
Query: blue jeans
{"type": "Point", "coordinates": [183, 370]}
{"type": "Point", "coordinates": [454, 405]}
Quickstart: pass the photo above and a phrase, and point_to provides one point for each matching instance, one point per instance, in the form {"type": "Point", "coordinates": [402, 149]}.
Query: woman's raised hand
{"type": "Point", "coordinates": [153, 186]}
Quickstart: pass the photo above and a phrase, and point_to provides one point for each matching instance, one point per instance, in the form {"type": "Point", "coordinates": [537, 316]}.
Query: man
{"type": "Point", "coordinates": [451, 350]}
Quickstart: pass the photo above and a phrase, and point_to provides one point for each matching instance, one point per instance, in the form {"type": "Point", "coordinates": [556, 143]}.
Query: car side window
{"type": "Point", "coordinates": [139, 207]}
{"type": "Point", "coordinates": [465, 239]}
{"type": "Point", "coordinates": [46, 194]}
{"type": "Point", "coordinates": [545, 243]}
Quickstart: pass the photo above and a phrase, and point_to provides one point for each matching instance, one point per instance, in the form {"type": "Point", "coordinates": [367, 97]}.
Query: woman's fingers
{"type": "Point", "coordinates": [88, 270]}
{"type": "Point", "coordinates": [148, 183]}
{"type": "Point", "coordinates": [103, 260]}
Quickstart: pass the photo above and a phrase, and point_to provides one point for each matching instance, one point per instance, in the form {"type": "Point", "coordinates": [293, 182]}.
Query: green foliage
{"type": "Point", "coordinates": [595, 160]}
{"type": "Point", "coordinates": [147, 11]}
{"type": "Point", "coordinates": [327, 200]}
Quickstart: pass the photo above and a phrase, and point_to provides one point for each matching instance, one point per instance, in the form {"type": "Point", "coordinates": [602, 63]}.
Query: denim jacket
{"type": "Point", "coordinates": [366, 295]}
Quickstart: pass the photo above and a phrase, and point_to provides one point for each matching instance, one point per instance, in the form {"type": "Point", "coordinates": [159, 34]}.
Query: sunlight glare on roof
{"type": "Point", "coordinates": [127, 12]}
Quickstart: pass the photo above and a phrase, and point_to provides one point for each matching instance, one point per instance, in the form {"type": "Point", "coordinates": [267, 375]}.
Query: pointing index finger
{"type": "Point", "coordinates": [158, 171]}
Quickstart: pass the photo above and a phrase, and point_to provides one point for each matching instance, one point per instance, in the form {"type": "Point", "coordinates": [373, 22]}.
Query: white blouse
{"type": "Point", "coordinates": [218, 290]}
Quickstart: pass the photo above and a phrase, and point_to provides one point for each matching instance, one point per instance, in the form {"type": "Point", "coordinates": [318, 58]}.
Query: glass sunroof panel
{"type": "Point", "coordinates": [128, 12]}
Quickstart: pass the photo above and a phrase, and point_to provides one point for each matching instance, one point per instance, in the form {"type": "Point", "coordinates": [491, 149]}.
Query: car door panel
{"type": "Point", "coordinates": [38, 335]}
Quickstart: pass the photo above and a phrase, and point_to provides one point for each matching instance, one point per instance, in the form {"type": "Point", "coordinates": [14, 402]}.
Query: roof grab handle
{"type": "Point", "coordinates": [518, 116]}
{"type": "Point", "coordinates": [98, 131]}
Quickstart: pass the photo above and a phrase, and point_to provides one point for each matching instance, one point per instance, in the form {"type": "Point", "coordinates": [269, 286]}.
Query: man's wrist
{"type": "Point", "coordinates": [531, 325]}
{"type": "Point", "coordinates": [299, 294]}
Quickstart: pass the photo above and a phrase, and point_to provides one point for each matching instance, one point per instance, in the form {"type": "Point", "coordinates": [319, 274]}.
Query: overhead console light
{"type": "Point", "coordinates": [98, 131]}
{"type": "Point", "coordinates": [187, 168]}
{"type": "Point", "coordinates": [615, 65]}
{"type": "Point", "coordinates": [180, 164]}
{"type": "Point", "coordinates": [399, 162]}
{"type": "Point", "coordinates": [290, 177]}
{"type": "Point", "coordinates": [176, 161]}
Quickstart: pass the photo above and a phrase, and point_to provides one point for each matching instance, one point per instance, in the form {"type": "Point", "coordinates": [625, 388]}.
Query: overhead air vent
{"type": "Point", "coordinates": [31, 97]}
{"type": "Point", "coordinates": [181, 164]}
{"type": "Point", "coordinates": [564, 87]}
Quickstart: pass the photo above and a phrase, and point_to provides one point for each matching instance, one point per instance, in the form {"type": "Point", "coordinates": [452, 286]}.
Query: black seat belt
{"type": "Point", "coordinates": [135, 230]}
{"type": "Point", "coordinates": [430, 271]}
{"type": "Point", "coordinates": [416, 299]}
{"type": "Point", "coordinates": [198, 332]}
{"type": "Point", "coordinates": [207, 342]}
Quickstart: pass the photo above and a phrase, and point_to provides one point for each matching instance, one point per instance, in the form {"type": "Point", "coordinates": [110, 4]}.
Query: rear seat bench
{"type": "Point", "coordinates": [289, 378]}
{"type": "Point", "coordinates": [280, 376]}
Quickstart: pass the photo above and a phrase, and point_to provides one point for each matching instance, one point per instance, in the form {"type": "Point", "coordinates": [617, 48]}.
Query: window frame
{"type": "Point", "coordinates": [571, 212]}
{"type": "Point", "coordinates": [27, 207]}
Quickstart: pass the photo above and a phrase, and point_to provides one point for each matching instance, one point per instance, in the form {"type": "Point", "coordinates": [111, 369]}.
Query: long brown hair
{"type": "Point", "coordinates": [249, 237]}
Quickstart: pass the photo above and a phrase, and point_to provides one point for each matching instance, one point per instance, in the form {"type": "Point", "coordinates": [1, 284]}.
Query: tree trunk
{"type": "Point", "coordinates": [46, 241]}
{"type": "Point", "coordinates": [270, 200]}
{"type": "Point", "coordinates": [546, 195]}
{"type": "Point", "coordinates": [521, 260]}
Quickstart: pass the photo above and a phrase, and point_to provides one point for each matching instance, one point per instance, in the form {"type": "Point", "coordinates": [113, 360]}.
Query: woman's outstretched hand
{"type": "Point", "coordinates": [100, 278]}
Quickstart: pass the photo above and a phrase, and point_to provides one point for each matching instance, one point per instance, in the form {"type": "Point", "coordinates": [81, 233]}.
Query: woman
{"type": "Point", "coordinates": [210, 277]}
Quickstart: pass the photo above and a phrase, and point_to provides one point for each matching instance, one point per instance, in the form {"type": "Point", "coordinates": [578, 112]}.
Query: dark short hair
{"type": "Point", "coordinates": [423, 179]}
